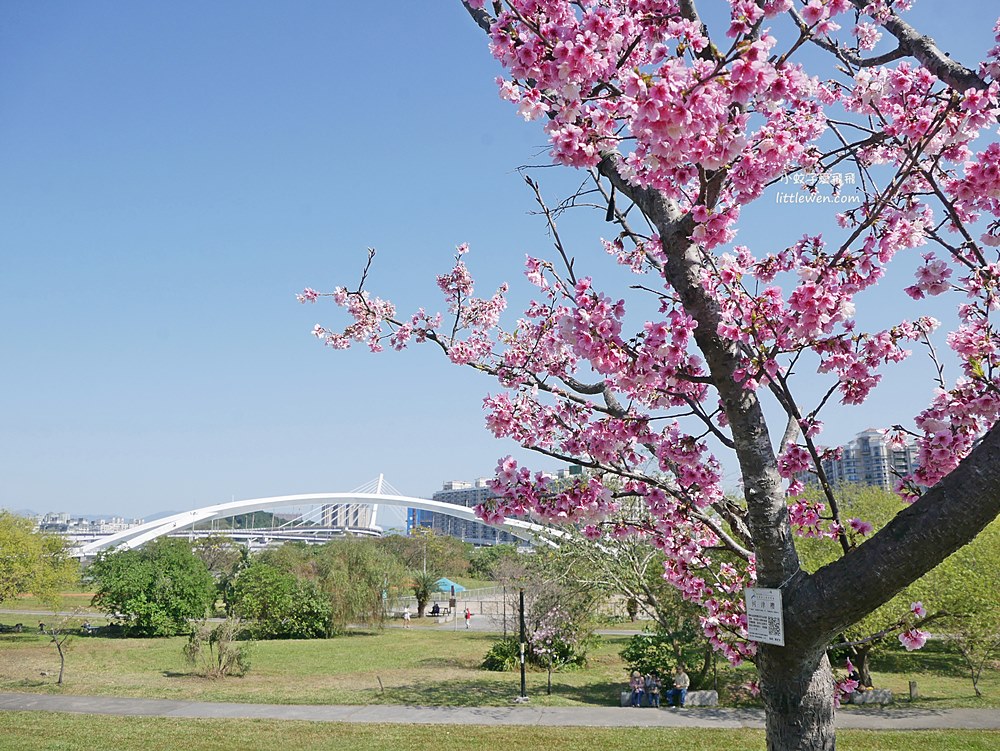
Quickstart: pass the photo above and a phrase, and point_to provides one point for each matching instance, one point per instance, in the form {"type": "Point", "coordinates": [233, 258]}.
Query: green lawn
{"type": "Point", "coordinates": [42, 731]}
{"type": "Point", "coordinates": [943, 680]}
{"type": "Point", "coordinates": [421, 665]}
{"type": "Point", "coordinates": [68, 602]}
{"type": "Point", "coordinates": [396, 666]}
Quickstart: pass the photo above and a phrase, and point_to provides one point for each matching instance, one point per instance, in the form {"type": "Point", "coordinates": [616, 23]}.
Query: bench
{"type": "Point", "coordinates": [702, 699]}
{"type": "Point", "coordinates": [872, 696]}
{"type": "Point", "coordinates": [693, 699]}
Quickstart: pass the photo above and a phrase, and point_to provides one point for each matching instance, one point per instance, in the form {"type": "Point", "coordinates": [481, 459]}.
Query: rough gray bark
{"type": "Point", "coordinates": [797, 689]}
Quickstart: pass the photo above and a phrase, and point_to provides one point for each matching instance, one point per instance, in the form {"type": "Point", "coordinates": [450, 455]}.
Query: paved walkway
{"type": "Point", "coordinates": [872, 719]}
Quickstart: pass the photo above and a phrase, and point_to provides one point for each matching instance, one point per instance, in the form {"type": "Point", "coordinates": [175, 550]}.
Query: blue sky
{"type": "Point", "coordinates": [172, 174]}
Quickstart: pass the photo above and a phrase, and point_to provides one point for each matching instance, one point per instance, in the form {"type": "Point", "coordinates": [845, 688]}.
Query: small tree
{"type": "Point", "coordinates": [216, 650]}
{"type": "Point", "coordinates": [424, 585]}
{"type": "Point", "coordinates": [59, 635]}
{"type": "Point", "coordinates": [155, 590]}
{"type": "Point", "coordinates": [558, 613]}
{"type": "Point", "coordinates": [278, 605]}
{"type": "Point", "coordinates": [30, 561]}
{"type": "Point", "coordinates": [556, 642]}
{"type": "Point", "coordinates": [964, 588]}
{"type": "Point", "coordinates": [977, 639]}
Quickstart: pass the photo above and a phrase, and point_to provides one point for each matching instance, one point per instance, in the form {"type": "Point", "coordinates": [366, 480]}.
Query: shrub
{"type": "Point", "coordinates": [504, 655]}
{"type": "Point", "coordinates": [217, 651]}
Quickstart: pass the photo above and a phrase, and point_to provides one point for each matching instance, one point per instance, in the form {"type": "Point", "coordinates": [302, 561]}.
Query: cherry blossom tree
{"type": "Point", "coordinates": [680, 126]}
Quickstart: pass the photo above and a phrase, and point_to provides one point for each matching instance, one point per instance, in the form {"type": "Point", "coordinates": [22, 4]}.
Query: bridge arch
{"type": "Point", "coordinates": [136, 536]}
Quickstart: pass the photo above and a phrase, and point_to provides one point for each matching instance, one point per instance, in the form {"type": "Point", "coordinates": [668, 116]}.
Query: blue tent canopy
{"type": "Point", "coordinates": [445, 584]}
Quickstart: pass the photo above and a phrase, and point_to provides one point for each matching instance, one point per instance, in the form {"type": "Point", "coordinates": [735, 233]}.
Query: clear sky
{"type": "Point", "coordinates": [171, 174]}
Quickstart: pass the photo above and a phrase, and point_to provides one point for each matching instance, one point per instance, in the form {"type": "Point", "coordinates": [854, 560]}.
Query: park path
{"type": "Point", "coordinates": [702, 717]}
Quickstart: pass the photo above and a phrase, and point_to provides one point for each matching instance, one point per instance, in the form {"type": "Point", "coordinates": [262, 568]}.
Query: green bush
{"type": "Point", "coordinates": [660, 652]}
{"type": "Point", "coordinates": [155, 590]}
{"type": "Point", "coordinates": [504, 655]}
{"type": "Point", "coordinates": [277, 605]}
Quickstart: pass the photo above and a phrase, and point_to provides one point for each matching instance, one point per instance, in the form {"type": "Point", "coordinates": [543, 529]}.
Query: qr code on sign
{"type": "Point", "coordinates": [773, 626]}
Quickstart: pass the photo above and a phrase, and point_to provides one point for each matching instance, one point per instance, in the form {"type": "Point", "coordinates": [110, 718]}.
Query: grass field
{"type": "Point", "coordinates": [68, 602]}
{"type": "Point", "coordinates": [425, 666]}
{"type": "Point", "coordinates": [38, 731]}
{"type": "Point", "coordinates": [396, 666]}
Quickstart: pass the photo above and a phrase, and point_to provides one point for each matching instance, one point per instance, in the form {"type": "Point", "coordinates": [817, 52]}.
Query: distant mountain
{"type": "Point", "coordinates": [23, 512]}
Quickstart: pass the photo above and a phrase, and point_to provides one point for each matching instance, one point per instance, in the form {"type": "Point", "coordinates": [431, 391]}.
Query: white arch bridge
{"type": "Point", "coordinates": [186, 520]}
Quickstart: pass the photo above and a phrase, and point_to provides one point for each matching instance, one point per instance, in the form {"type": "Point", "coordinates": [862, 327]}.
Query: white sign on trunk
{"type": "Point", "coordinates": [764, 621]}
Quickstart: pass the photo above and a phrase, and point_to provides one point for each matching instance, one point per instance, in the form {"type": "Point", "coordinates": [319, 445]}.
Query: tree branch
{"type": "Point", "coordinates": [945, 518]}
{"type": "Point", "coordinates": [926, 52]}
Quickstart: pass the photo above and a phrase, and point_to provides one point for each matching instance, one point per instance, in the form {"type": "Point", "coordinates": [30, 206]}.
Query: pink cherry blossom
{"type": "Point", "coordinates": [862, 528]}
{"type": "Point", "coordinates": [913, 639]}
{"type": "Point", "coordinates": [704, 123]}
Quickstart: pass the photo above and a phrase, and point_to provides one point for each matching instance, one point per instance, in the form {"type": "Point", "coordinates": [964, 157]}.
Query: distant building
{"type": "Point", "coordinates": [62, 523]}
{"type": "Point", "coordinates": [418, 519]}
{"type": "Point", "coordinates": [467, 494]}
{"type": "Point", "coordinates": [348, 515]}
{"type": "Point", "coordinates": [870, 459]}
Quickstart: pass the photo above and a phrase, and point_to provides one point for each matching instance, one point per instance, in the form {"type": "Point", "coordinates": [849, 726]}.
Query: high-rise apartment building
{"type": "Point", "coordinates": [870, 459]}
{"type": "Point", "coordinates": [348, 515]}
{"type": "Point", "coordinates": [466, 494]}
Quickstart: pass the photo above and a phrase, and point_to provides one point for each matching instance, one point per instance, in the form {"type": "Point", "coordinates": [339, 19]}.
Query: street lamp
{"type": "Point", "coordinates": [524, 694]}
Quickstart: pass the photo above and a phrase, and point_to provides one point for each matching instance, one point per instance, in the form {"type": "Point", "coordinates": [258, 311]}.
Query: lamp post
{"type": "Point", "coordinates": [524, 694]}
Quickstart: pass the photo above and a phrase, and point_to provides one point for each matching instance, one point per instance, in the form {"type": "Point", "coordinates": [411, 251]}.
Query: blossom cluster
{"type": "Point", "coordinates": [710, 126]}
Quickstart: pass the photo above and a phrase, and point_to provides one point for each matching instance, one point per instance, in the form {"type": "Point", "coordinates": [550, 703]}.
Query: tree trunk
{"type": "Point", "coordinates": [700, 680]}
{"type": "Point", "coordinates": [62, 660]}
{"type": "Point", "coordinates": [797, 689]}
{"type": "Point", "coordinates": [864, 665]}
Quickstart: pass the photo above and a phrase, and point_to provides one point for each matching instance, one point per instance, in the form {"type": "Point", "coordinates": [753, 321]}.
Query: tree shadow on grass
{"type": "Point", "coordinates": [457, 693]}
{"type": "Point", "coordinates": [34, 683]}
{"type": "Point", "coordinates": [936, 657]}
{"type": "Point", "coordinates": [480, 693]}
{"type": "Point", "coordinates": [447, 662]}
{"type": "Point", "coordinates": [604, 694]}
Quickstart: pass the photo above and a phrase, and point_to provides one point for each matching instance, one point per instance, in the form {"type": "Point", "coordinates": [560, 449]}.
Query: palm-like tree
{"type": "Point", "coordinates": [425, 585]}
